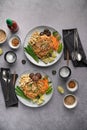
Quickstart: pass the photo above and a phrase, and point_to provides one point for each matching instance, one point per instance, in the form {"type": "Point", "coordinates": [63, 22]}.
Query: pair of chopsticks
{"type": "Point", "coordinates": [14, 78]}
{"type": "Point", "coordinates": [67, 55]}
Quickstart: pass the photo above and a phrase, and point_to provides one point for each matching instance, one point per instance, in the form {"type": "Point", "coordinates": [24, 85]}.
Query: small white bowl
{"type": "Point", "coordinates": [14, 42]}
{"type": "Point", "coordinates": [70, 101]}
{"type": "Point", "coordinates": [3, 36]}
{"type": "Point", "coordinates": [72, 85]}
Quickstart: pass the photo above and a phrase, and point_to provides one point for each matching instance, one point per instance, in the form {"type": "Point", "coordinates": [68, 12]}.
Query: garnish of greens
{"type": "Point", "coordinates": [57, 35]}
{"type": "Point", "coordinates": [20, 93]}
{"type": "Point", "coordinates": [30, 51]}
{"type": "Point", "coordinates": [49, 90]}
{"type": "Point", "coordinates": [52, 53]}
{"type": "Point", "coordinates": [60, 48]}
{"type": "Point", "coordinates": [40, 98]}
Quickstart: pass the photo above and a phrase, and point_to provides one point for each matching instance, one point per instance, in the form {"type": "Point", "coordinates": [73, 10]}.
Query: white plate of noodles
{"type": "Point", "coordinates": [34, 89]}
{"type": "Point", "coordinates": [46, 44]}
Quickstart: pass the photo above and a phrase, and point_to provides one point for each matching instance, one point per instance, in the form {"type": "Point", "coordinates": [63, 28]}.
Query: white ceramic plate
{"type": "Point", "coordinates": [40, 29]}
{"type": "Point", "coordinates": [30, 103]}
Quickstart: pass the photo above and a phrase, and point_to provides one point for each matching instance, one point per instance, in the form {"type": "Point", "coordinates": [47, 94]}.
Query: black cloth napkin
{"type": "Point", "coordinates": [68, 40]}
{"type": "Point", "coordinates": [13, 101]}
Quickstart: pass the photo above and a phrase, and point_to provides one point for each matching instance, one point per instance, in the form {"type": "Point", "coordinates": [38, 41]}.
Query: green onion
{"type": "Point", "coordinates": [59, 37]}
{"type": "Point", "coordinates": [20, 93]}
{"type": "Point", "coordinates": [49, 90]}
{"type": "Point", "coordinates": [60, 48]}
{"type": "Point", "coordinates": [30, 51]}
{"type": "Point", "coordinates": [55, 33]}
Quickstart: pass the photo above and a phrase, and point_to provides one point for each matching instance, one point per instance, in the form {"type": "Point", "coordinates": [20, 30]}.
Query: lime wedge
{"type": "Point", "coordinates": [60, 89]}
{"type": "Point", "coordinates": [1, 51]}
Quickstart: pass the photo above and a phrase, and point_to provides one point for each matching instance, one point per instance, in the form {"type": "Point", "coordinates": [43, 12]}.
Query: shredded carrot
{"type": "Point", "coordinates": [45, 85]}
{"type": "Point", "coordinates": [45, 82]}
{"type": "Point", "coordinates": [55, 43]}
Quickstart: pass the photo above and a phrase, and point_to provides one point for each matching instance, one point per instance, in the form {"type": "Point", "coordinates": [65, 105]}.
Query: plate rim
{"type": "Point", "coordinates": [24, 100]}
{"type": "Point", "coordinates": [31, 59]}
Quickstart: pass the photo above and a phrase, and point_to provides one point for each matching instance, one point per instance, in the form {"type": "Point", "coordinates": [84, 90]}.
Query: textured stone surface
{"type": "Point", "coordinates": [60, 14]}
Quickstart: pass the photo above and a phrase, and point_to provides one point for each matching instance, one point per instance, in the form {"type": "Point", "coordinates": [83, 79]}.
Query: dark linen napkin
{"type": "Point", "coordinates": [13, 101]}
{"type": "Point", "coordinates": [68, 40]}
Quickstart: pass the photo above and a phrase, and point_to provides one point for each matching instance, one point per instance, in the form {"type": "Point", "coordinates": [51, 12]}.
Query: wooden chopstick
{"type": "Point", "coordinates": [67, 58]}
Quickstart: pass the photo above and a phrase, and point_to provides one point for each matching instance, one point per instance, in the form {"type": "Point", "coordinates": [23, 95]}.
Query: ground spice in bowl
{"type": "Point", "coordinates": [2, 36]}
{"type": "Point", "coordinates": [15, 42]}
{"type": "Point", "coordinates": [69, 100]}
{"type": "Point", "coordinates": [71, 84]}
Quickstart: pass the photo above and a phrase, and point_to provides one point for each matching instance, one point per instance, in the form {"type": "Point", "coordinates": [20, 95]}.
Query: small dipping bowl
{"type": "Point", "coordinates": [3, 36]}
{"type": "Point", "coordinates": [10, 57]}
{"type": "Point", "coordinates": [14, 42]}
{"type": "Point", "coordinates": [64, 72]}
{"type": "Point", "coordinates": [70, 101]}
{"type": "Point", "coordinates": [72, 85]}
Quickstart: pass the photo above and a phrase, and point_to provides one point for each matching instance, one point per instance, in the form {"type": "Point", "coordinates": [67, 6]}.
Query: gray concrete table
{"type": "Point", "coordinates": [60, 14]}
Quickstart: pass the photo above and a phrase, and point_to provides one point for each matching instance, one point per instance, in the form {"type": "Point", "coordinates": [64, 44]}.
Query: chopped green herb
{"type": "Point", "coordinates": [30, 51]}
{"type": "Point", "coordinates": [59, 37]}
{"type": "Point", "coordinates": [20, 93]}
{"type": "Point", "coordinates": [55, 33]}
{"type": "Point", "coordinates": [49, 90]}
{"type": "Point", "coordinates": [60, 48]}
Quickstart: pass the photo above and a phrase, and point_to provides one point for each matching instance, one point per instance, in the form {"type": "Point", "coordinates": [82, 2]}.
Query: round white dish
{"type": "Point", "coordinates": [17, 42]}
{"type": "Point", "coordinates": [40, 29]}
{"type": "Point", "coordinates": [72, 88]}
{"type": "Point", "coordinates": [67, 105]}
{"type": "Point", "coordinates": [47, 98]}
{"type": "Point", "coordinates": [3, 36]}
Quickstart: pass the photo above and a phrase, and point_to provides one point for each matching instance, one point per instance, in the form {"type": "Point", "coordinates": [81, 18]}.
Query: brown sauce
{"type": "Point", "coordinates": [15, 42]}
{"type": "Point", "coordinates": [71, 84]}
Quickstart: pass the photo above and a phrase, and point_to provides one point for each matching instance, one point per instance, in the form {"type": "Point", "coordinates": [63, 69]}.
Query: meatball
{"type": "Point", "coordinates": [47, 32]}
{"type": "Point", "coordinates": [41, 33]}
{"type": "Point", "coordinates": [38, 75]}
{"type": "Point", "coordinates": [35, 78]}
{"type": "Point", "coordinates": [31, 75]}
